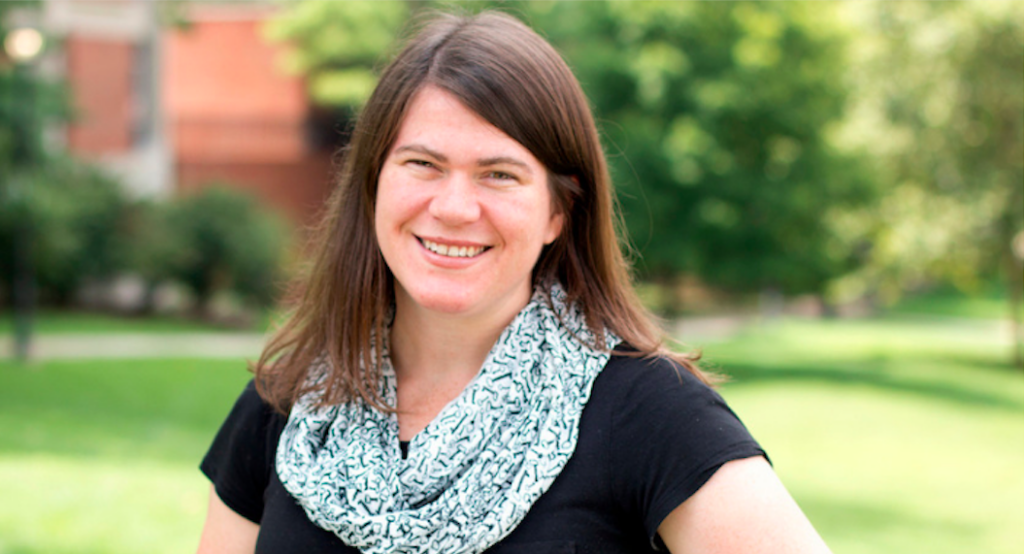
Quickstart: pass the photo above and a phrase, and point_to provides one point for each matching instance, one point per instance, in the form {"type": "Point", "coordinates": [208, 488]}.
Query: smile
{"type": "Point", "coordinates": [452, 251]}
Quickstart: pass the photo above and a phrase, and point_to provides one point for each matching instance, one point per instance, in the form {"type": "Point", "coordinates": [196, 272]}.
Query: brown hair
{"type": "Point", "coordinates": [500, 69]}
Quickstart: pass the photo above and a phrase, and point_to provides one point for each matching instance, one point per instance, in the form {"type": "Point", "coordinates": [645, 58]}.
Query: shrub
{"type": "Point", "coordinates": [70, 216]}
{"type": "Point", "coordinates": [230, 242]}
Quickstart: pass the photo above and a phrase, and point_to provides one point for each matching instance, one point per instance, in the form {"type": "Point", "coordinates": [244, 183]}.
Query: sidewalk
{"type": "Point", "coordinates": [67, 346]}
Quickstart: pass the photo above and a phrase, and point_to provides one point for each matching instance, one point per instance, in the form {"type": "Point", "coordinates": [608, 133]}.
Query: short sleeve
{"type": "Point", "coordinates": [670, 433]}
{"type": "Point", "coordinates": [241, 457]}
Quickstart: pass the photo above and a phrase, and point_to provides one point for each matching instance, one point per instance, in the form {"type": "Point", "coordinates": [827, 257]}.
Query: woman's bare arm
{"type": "Point", "coordinates": [226, 532]}
{"type": "Point", "coordinates": [742, 508]}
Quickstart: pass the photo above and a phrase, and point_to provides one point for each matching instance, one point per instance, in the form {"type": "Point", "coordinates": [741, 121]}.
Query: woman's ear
{"type": "Point", "coordinates": [554, 227]}
{"type": "Point", "coordinates": [563, 207]}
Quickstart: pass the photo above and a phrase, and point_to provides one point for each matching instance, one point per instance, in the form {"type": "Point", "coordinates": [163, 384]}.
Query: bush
{"type": "Point", "coordinates": [230, 243]}
{"type": "Point", "coordinates": [71, 217]}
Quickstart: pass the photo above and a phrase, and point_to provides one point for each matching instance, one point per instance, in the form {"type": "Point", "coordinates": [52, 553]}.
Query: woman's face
{"type": "Point", "coordinates": [462, 212]}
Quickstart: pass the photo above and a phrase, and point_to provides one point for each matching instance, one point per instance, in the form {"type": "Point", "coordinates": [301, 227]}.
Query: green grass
{"type": "Point", "coordinates": [101, 456]}
{"type": "Point", "coordinates": [992, 304]}
{"type": "Point", "coordinates": [896, 436]}
{"type": "Point", "coordinates": [49, 321]}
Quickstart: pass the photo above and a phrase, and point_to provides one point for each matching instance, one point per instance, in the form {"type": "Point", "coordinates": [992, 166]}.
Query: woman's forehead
{"type": "Point", "coordinates": [438, 124]}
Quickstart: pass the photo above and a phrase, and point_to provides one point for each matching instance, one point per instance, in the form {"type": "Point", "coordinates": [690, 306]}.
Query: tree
{"type": "Point", "coordinates": [716, 115]}
{"type": "Point", "coordinates": [337, 45]}
{"type": "Point", "coordinates": [30, 177]}
{"type": "Point", "coordinates": [940, 110]}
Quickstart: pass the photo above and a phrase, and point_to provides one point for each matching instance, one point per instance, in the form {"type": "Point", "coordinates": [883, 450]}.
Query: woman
{"type": "Point", "coordinates": [468, 369]}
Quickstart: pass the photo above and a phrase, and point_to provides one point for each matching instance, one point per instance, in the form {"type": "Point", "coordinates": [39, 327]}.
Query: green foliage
{"type": "Point", "coordinates": [230, 242]}
{"type": "Point", "coordinates": [939, 90]}
{"type": "Point", "coordinates": [337, 45]}
{"type": "Point", "coordinates": [714, 114]}
{"type": "Point", "coordinates": [151, 246]}
{"type": "Point", "coordinates": [70, 216]}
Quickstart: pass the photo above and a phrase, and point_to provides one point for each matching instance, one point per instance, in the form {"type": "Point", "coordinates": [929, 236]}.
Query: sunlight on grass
{"type": "Point", "coordinates": [878, 470]}
{"type": "Point", "coordinates": [74, 322]}
{"type": "Point", "coordinates": [58, 505]}
{"type": "Point", "coordinates": [990, 304]}
{"type": "Point", "coordinates": [101, 457]}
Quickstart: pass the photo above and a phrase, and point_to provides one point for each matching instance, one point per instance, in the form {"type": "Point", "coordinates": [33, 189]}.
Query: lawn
{"type": "Point", "coordinates": [896, 435]}
{"type": "Point", "coordinates": [49, 321]}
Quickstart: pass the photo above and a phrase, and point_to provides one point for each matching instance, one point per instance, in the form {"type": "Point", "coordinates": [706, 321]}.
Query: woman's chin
{"type": "Point", "coordinates": [448, 303]}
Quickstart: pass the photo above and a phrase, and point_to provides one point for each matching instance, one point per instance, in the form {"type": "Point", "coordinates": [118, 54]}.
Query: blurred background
{"type": "Point", "coordinates": [826, 199]}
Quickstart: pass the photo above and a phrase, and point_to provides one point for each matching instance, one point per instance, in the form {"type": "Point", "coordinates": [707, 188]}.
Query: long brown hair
{"type": "Point", "coordinates": [500, 69]}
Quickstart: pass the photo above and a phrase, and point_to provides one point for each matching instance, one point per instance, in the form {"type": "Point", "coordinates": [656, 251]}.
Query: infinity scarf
{"type": "Point", "coordinates": [473, 473]}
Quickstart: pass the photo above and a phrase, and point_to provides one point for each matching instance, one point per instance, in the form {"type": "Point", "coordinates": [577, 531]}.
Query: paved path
{"type": "Point", "coordinates": [139, 345]}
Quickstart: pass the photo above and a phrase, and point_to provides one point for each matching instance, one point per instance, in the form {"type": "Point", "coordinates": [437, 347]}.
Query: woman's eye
{"type": "Point", "coordinates": [420, 163]}
{"type": "Point", "coordinates": [501, 176]}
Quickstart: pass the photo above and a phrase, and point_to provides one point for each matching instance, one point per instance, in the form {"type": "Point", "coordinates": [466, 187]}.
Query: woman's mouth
{"type": "Point", "coordinates": [452, 250]}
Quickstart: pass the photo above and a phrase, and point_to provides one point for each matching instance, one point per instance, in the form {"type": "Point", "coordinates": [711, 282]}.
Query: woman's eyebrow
{"type": "Point", "coordinates": [419, 148]}
{"type": "Point", "coordinates": [499, 160]}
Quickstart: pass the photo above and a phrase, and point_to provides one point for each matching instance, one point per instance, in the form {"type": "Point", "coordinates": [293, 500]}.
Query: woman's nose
{"type": "Point", "coordinates": [455, 201]}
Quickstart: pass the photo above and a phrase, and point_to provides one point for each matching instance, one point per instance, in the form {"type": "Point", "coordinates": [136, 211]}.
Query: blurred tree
{"type": "Point", "coordinates": [337, 45]}
{"type": "Point", "coordinates": [228, 242]}
{"type": "Point", "coordinates": [151, 248]}
{"type": "Point", "coordinates": [76, 216]}
{"type": "Point", "coordinates": [41, 211]}
{"type": "Point", "coordinates": [715, 115]}
{"type": "Point", "coordinates": [940, 109]}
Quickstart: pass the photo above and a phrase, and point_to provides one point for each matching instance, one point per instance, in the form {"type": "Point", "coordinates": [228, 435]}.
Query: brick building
{"type": "Point", "coordinates": [172, 109]}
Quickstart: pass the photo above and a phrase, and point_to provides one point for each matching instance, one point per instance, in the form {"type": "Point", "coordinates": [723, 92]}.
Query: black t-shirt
{"type": "Point", "coordinates": [650, 436]}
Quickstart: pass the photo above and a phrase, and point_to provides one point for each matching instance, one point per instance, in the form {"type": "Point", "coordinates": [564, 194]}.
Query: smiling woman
{"type": "Point", "coordinates": [467, 368]}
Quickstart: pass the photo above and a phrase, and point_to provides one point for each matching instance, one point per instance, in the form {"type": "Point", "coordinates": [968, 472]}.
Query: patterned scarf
{"type": "Point", "coordinates": [474, 472]}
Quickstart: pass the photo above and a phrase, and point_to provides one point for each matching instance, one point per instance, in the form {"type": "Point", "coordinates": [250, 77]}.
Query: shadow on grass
{"type": "Point", "coordinates": [747, 374]}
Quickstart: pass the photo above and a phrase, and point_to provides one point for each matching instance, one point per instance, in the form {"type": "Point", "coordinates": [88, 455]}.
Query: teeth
{"type": "Point", "coordinates": [452, 251]}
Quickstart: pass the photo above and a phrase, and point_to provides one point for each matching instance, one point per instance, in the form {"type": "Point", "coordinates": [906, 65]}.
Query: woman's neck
{"type": "Point", "coordinates": [434, 346]}
{"type": "Point", "coordinates": [435, 355]}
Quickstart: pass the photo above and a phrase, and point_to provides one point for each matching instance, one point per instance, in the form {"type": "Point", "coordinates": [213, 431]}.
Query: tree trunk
{"type": "Point", "coordinates": [1015, 281]}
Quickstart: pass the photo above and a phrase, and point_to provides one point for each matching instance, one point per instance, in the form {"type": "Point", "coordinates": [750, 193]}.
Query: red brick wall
{"type": "Point", "coordinates": [237, 118]}
{"type": "Point", "coordinates": [297, 190]}
{"type": "Point", "coordinates": [99, 75]}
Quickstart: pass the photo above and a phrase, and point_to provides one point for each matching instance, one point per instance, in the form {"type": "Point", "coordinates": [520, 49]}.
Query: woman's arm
{"type": "Point", "coordinates": [742, 508]}
{"type": "Point", "coordinates": [226, 532]}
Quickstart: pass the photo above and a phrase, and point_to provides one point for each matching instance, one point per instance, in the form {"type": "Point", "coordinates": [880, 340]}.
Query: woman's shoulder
{"type": "Point", "coordinates": [240, 459]}
{"type": "Point", "coordinates": [634, 376]}
{"type": "Point", "coordinates": [656, 405]}
{"type": "Point", "coordinates": [252, 411]}
{"type": "Point", "coordinates": [667, 432]}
